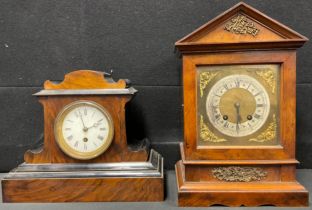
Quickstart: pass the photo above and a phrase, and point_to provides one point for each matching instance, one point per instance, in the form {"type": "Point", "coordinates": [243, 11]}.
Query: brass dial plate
{"type": "Point", "coordinates": [238, 105]}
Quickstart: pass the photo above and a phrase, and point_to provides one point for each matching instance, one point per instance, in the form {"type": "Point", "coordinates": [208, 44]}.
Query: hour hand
{"type": "Point", "coordinates": [94, 125]}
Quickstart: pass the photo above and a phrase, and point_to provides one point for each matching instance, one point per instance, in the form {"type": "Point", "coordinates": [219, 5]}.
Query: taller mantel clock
{"type": "Point", "coordinates": [86, 156]}
{"type": "Point", "coordinates": [239, 85]}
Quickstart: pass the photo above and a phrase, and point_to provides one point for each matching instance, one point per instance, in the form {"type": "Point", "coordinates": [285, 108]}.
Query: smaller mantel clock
{"type": "Point", "coordinates": [239, 88]}
{"type": "Point", "coordinates": [85, 156]}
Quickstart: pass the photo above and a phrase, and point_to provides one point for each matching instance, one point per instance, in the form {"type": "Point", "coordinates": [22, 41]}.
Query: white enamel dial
{"type": "Point", "coordinates": [237, 105]}
{"type": "Point", "coordinates": [84, 130]}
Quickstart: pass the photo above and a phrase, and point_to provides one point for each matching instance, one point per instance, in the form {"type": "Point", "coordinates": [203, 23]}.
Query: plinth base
{"type": "Point", "coordinates": [233, 194]}
{"type": "Point", "coordinates": [131, 181]}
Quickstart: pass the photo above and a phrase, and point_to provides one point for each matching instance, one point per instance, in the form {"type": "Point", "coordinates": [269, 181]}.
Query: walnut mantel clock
{"type": "Point", "coordinates": [239, 88]}
{"type": "Point", "coordinates": [85, 156]}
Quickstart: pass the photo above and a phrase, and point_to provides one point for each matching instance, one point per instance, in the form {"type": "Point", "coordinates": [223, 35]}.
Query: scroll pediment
{"type": "Point", "coordinates": [242, 25]}
{"type": "Point", "coordinates": [85, 79]}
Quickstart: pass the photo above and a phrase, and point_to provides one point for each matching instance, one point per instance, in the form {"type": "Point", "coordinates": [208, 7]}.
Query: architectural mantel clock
{"type": "Point", "coordinates": [85, 156]}
{"type": "Point", "coordinates": [239, 88]}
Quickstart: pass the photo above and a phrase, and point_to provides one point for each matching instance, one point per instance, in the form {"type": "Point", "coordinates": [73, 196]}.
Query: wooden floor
{"type": "Point", "coordinates": [304, 176]}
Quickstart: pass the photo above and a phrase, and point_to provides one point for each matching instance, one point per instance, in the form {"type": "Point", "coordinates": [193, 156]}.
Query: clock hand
{"type": "Point", "coordinates": [94, 125]}
{"type": "Point", "coordinates": [85, 129]}
{"type": "Point", "coordinates": [238, 117]}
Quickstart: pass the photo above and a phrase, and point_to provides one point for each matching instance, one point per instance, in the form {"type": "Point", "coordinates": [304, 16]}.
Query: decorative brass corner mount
{"type": "Point", "coordinates": [268, 76]}
{"type": "Point", "coordinates": [206, 134]}
{"type": "Point", "coordinates": [268, 134]}
{"type": "Point", "coordinates": [204, 79]}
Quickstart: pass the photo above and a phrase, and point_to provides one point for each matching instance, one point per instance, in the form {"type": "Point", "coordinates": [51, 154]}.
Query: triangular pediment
{"type": "Point", "coordinates": [241, 25]}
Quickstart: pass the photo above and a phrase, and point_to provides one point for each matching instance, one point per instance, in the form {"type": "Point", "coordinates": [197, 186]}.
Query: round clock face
{"type": "Point", "coordinates": [237, 105]}
{"type": "Point", "coordinates": [84, 130]}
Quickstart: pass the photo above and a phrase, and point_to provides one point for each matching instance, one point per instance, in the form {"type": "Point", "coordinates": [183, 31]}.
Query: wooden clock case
{"type": "Point", "coordinates": [212, 44]}
{"type": "Point", "coordinates": [119, 174]}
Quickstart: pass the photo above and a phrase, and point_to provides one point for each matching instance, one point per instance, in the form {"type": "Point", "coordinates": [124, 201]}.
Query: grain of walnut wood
{"type": "Point", "coordinates": [212, 45]}
{"type": "Point", "coordinates": [86, 188]}
{"type": "Point", "coordinates": [84, 79]}
{"type": "Point", "coordinates": [205, 193]}
{"type": "Point", "coordinates": [114, 104]}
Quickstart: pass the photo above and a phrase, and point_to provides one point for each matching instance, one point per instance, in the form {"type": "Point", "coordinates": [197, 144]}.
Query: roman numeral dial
{"type": "Point", "coordinates": [237, 105]}
{"type": "Point", "coordinates": [84, 129]}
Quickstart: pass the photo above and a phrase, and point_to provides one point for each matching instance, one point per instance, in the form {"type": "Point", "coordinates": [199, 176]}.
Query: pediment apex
{"type": "Point", "coordinates": [243, 25]}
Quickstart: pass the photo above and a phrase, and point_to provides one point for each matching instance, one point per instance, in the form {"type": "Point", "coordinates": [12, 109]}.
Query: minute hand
{"type": "Point", "coordinates": [238, 117]}
{"type": "Point", "coordinates": [84, 126]}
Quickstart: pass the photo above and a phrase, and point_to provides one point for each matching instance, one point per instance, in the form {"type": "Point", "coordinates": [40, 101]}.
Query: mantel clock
{"type": "Point", "coordinates": [85, 156]}
{"type": "Point", "coordinates": [239, 88]}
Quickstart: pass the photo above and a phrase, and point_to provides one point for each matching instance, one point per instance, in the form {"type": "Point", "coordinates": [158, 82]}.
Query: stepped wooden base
{"type": "Point", "coordinates": [134, 181]}
{"type": "Point", "coordinates": [83, 190]}
{"type": "Point", "coordinates": [204, 193]}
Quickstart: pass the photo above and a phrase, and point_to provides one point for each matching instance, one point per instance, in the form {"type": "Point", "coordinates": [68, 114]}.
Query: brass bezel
{"type": "Point", "coordinates": [60, 138]}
